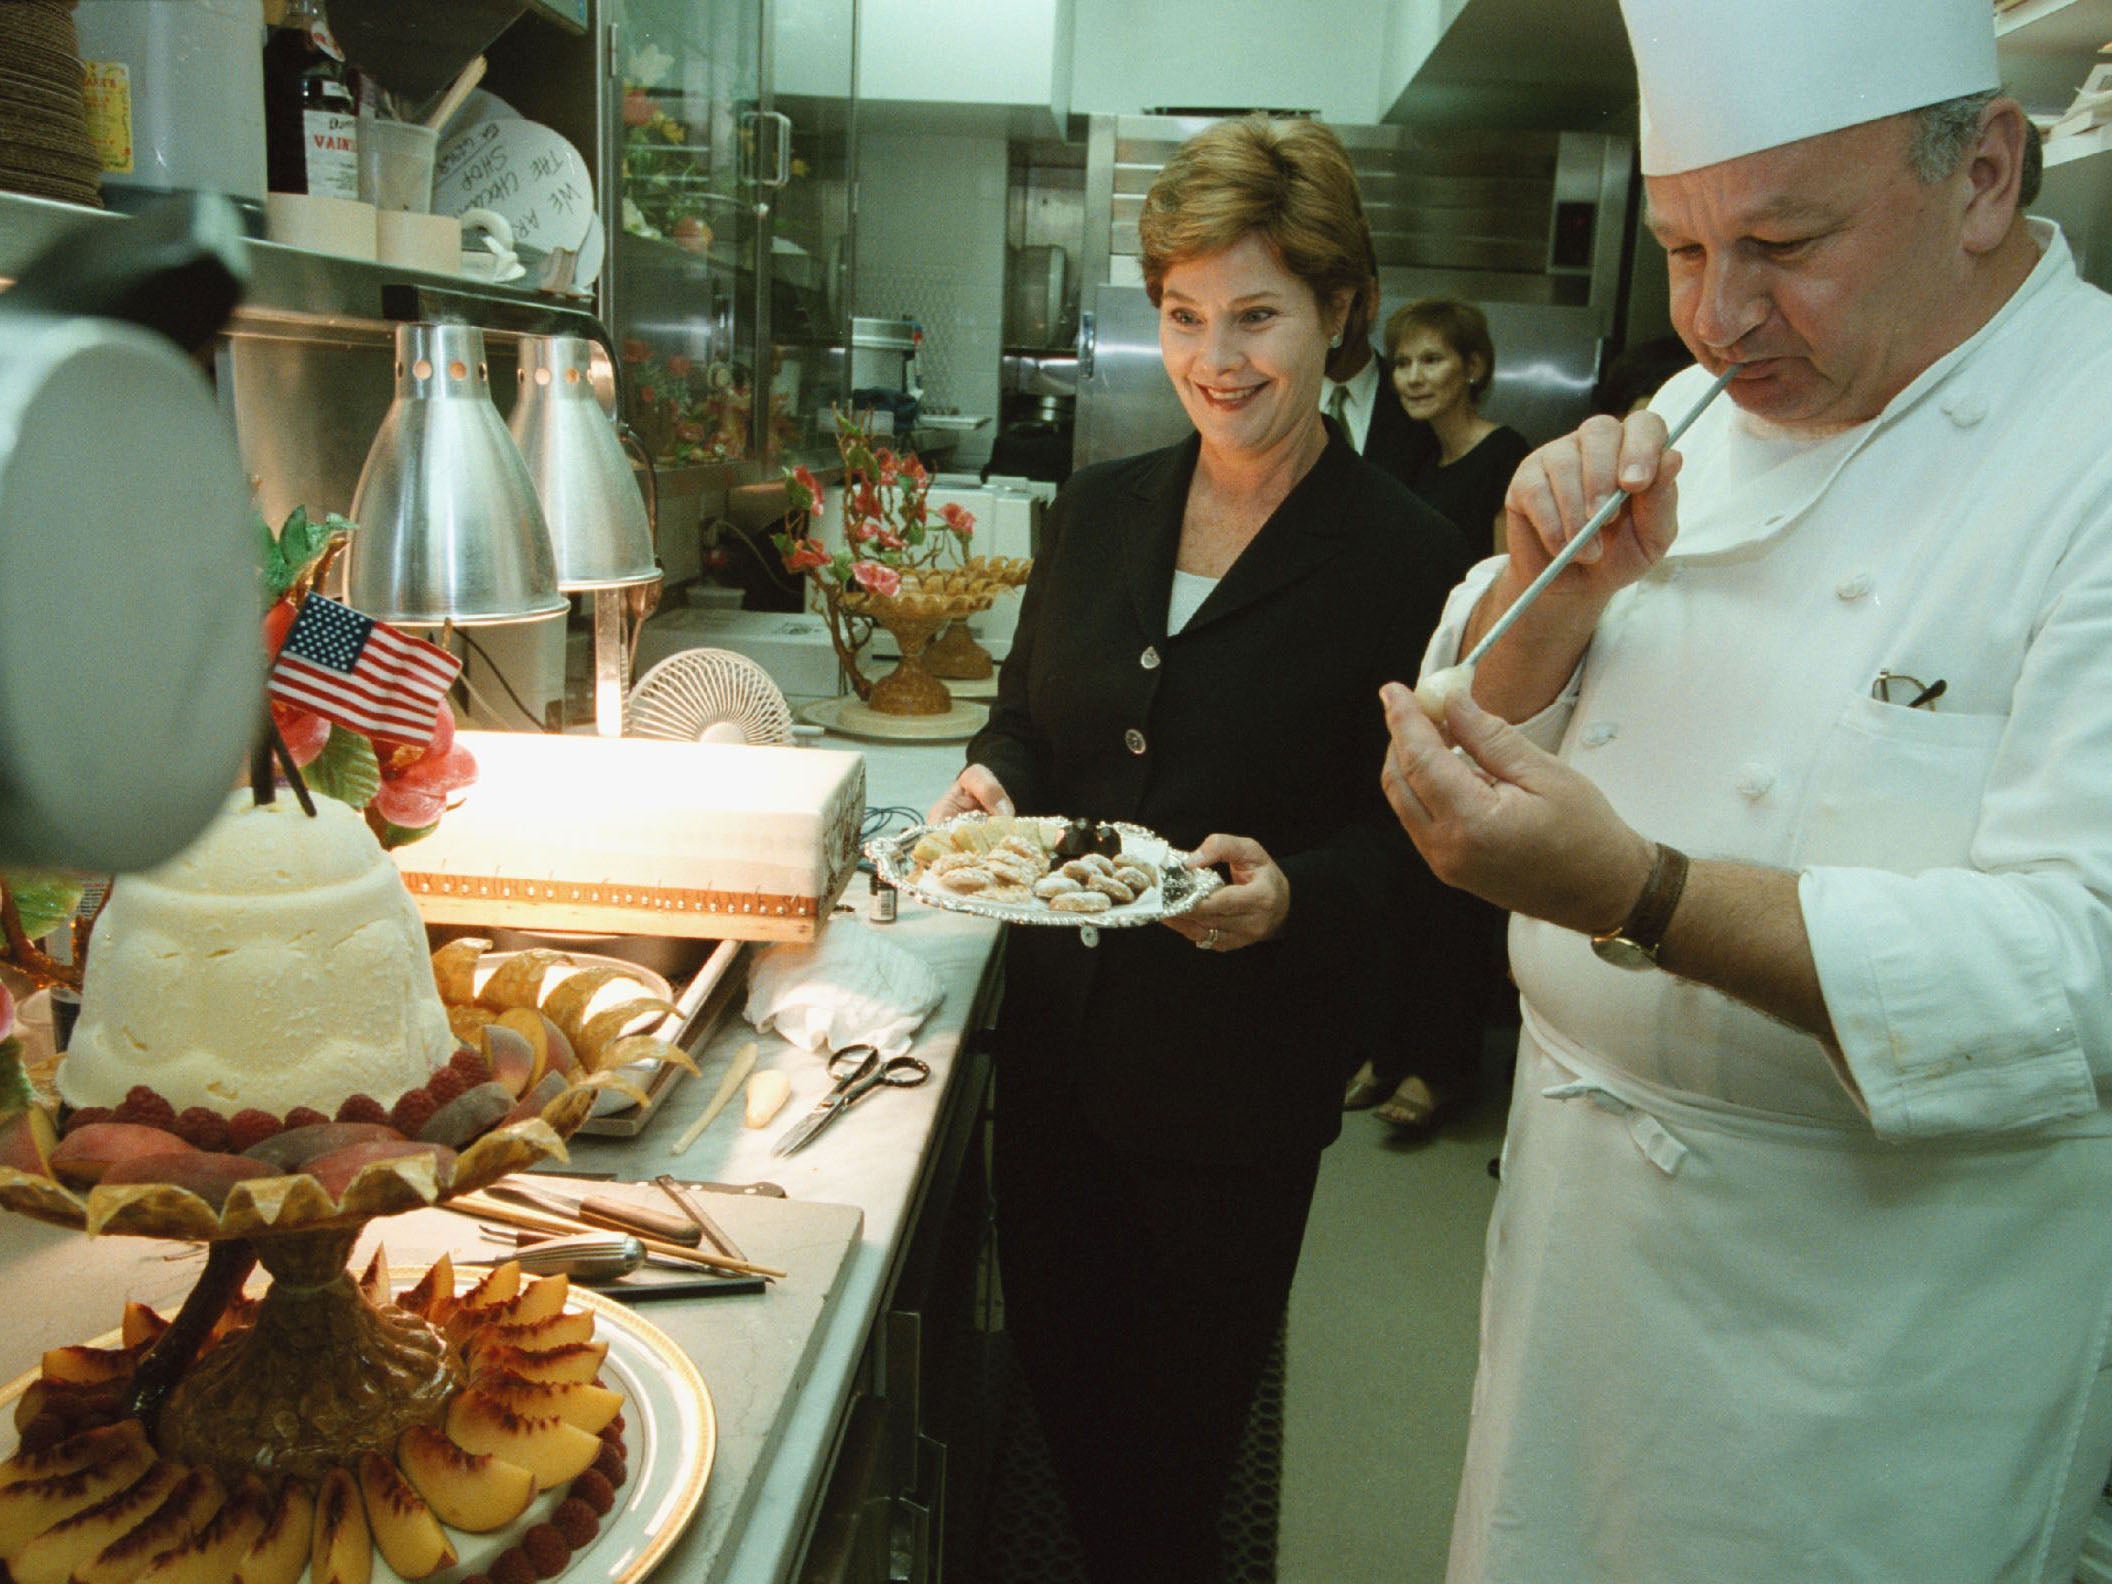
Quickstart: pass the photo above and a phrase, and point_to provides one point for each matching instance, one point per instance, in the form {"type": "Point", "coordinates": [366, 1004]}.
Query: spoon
{"type": "Point", "coordinates": [591, 1257]}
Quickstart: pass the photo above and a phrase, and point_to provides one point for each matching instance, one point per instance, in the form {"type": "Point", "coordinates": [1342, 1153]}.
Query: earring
{"type": "Point", "coordinates": [1335, 340]}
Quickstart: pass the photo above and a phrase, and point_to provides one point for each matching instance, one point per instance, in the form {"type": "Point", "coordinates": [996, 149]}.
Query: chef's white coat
{"type": "Point", "coordinates": [1743, 1323]}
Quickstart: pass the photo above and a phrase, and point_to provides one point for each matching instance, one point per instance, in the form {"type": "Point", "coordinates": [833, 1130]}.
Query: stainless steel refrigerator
{"type": "Point", "coordinates": [1529, 226]}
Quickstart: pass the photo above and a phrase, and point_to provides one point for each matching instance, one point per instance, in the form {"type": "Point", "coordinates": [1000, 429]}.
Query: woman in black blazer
{"type": "Point", "coordinates": [1199, 650]}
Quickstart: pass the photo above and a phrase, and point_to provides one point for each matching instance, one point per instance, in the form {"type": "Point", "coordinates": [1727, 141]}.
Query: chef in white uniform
{"type": "Point", "coordinates": [1801, 1269]}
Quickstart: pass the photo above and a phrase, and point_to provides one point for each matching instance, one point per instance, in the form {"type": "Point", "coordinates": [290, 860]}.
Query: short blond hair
{"type": "Point", "coordinates": [1287, 181]}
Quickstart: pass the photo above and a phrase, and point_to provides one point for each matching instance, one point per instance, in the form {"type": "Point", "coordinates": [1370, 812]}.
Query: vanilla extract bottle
{"type": "Point", "coordinates": [311, 126]}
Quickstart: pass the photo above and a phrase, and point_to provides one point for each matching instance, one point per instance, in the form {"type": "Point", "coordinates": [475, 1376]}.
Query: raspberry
{"type": "Point", "coordinates": [575, 1520]}
{"type": "Point", "coordinates": [512, 1567]}
{"type": "Point", "coordinates": [546, 1550]}
{"type": "Point", "coordinates": [471, 1064]}
{"type": "Point", "coordinates": [445, 1085]}
{"type": "Point", "coordinates": [203, 1129]}
{"type": "Point", "coordinates": [250, 1127]}
{"type": "Point", "coordinates": [144, 1106]}
{"type": "Point", "coordinates": [594, 1489]}
{"type": "Point", "coordinates": [616, 1424]}
{"type": "Point", "coordinates": [412, 1113]}
{"type": "Point", "coordinates": [304, 1116]}
{"type": "Point", "coordinates": [611, 1467]}
{"type": "Point", "coordinates": [361, 1108]}
{"type": "Point", "coordinates": [87, 1116]}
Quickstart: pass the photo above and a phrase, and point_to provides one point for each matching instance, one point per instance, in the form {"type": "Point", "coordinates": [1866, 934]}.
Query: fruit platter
{"type": "Point", "coordinates": [532, 1466]}
{"type": "Point", "coordinates": [1032, 869]}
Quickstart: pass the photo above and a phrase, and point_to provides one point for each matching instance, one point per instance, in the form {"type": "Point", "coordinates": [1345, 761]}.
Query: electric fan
{"type": "Point", "coordinates": [707, 695]}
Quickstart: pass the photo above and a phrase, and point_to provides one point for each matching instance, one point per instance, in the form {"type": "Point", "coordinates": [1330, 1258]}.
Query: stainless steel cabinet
{"type": "Point", "coordinates": [726, 131]}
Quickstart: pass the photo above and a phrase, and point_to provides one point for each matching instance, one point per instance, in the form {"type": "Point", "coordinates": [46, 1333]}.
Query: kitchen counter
{"type": "Point", "coordinates": [892, 1159]}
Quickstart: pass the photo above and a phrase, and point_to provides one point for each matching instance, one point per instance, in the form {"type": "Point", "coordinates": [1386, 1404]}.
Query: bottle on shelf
{"type": "Point", "coordinates": [311, 127]}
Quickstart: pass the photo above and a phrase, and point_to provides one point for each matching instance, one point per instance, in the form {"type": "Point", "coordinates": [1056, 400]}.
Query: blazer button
{"type": "Point", "coordinates": [1149, 659]}
{"type": "Point", "coordinates": [1133, 740]}
{"type": "Point", "coordinates": [1088, 936]}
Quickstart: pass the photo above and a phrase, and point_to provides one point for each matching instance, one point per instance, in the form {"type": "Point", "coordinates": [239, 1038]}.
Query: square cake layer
{"type": "Point", "coordinates": [636, 836]}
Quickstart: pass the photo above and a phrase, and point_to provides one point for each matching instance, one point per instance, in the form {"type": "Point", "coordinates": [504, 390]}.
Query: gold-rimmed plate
{"type": "Point", "coordinates": [670, 1443]}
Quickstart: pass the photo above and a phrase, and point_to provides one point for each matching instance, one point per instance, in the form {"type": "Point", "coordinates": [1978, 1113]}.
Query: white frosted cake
{"type": "Point", "coordinates": [642, 837]}
{"type": "Point", "coordinates": [276, 962]}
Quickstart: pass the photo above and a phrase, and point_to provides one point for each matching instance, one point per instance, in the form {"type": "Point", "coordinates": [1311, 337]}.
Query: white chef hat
{"type": "Point", "coordinates": [1725, 78]}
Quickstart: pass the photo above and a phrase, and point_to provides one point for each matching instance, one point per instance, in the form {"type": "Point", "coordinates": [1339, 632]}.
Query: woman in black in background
{"type": "Point", "coordinates": [1443, 362]}
{"type": "Point", "coordinates": [1199, 651]}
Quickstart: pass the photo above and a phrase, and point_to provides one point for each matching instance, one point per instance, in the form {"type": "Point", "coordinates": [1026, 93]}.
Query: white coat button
{"type": "Point", "coordinates": [1965, 409]}
{"type": "Point", "coordinates": [1149, 659]}
{"type": "Point", "coordinates": [1598, 734]}
{"type": "Point", "coordinates": [1133, 740]}
{"type": "Point", "coordinates": [1755, 780]}
{"type": "Point", "coordinates": [1854, 588]}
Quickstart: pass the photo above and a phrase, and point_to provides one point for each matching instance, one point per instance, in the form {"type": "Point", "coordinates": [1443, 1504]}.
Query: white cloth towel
{"type": "Point", "coordinates": [850, 987]}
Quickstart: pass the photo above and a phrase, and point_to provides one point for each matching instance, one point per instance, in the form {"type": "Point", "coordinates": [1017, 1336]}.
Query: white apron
{"type": "Point", "coordinates": [1741, 1323]}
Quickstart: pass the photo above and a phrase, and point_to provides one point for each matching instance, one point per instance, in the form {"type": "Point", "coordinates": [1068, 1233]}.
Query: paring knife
{"type": "Point", "coordinates": [754, 1190]}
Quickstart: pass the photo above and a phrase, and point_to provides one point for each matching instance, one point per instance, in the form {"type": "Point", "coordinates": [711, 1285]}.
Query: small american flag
{"type": "Point", "coordinates": [360, 673]}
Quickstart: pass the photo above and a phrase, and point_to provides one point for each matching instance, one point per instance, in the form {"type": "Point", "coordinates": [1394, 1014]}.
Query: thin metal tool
{"type": "Point", "coordinates": [600, 1210]}
{"type": "Point", "coordinates": [713, 1233]}
{"type": "Point", "coordinates": [859, 1070]}
{"type": "Point", "coordinates": [1590, 531]}
{"type": "Point", "coordinates": [478, 1207]}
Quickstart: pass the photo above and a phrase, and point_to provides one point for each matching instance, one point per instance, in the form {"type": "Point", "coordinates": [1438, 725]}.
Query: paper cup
{"type": "Point", "coordinates": [396, 164]}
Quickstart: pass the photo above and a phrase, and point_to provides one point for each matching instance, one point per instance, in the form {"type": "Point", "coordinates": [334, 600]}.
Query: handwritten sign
{"type": "Point", "coordinates": [527, 173]}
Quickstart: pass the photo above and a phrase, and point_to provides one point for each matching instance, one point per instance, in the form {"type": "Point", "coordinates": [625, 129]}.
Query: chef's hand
{"type": "Point", "coordinates": [974, 790]}
{"type": "Point", "coordinates": [1507, 822]}
{"type": "Point", "coordinates": [1559, 486]}
{"type": "Point", "coordinates": [1252, 908]}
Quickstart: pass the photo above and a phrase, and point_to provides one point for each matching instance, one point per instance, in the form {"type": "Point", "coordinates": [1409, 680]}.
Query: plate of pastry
{"type": "Point", "coordinates": [1043, 869]}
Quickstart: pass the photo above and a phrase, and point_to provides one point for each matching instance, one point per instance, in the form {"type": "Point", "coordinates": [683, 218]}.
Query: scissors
{"type": "Point", "coordinates": [858, 1070]}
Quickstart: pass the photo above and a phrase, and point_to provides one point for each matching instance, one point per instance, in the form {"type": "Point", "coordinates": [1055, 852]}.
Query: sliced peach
{"type": "Point", "coordinates": [553, 1051]}
{"type": "Point", "coordinates": [211, 1554]}
{"type": "Point", "coordinates": [26, 1141]}
{"type": "Point", "coordinates": [29, 1507]}
{"type": "Point", "coordinates": [471, 1491]}
{"type": "Point", "coordinates": [512, 1057]}
{"type": "Point", "coordinates": [572, 1361]}
{"type": "Point", "coordinates": [182, 1513]}
{"type": "Point", "coordinates": [545, 1446]}
{"type": "Point", "coordinates": [342, 1551]}
{"type": "Point", "coordinates": [279, 1555]}
{"type": "Point", "coordinates": [374, 1280]}
{"type": "Point", "coordinates": [91, 1366]}
{"type": "Point", "coordinates": [293, 1149]}
{"type": "Point", "coordinates": [579, 1403]}
{"type": "Point", "coordinates": [211, 1177]}
{"type": "Point", "coordinates": [498, 1287]}
{"type": "Point", "coordinates": [336, 1170]}
{"type": "Point", "coordinates": [539, 1300]}
{"type": "Point", "coordinates": [76, 1404]}
{"type": "Point", "coordinates": [434, 1295]}
{"type": "Point", "coordinates": [142, 1324]}
{"type": "Point", "coordinates": [537, 1335]}
{"type": "Point", "coordinates": [54, 1554]}
{"type": "Point", "coordinates": [405, 1531]}
{"type": "Point", "coordinates": [77, 1451]}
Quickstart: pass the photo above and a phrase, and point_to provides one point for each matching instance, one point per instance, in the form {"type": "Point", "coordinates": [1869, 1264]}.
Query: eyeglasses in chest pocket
{"type": "Point", "coordinates": [1897, 788]}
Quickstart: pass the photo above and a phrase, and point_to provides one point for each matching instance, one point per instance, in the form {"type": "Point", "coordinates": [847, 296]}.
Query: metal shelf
{"type": "Point", "coordinates": [298, 295]}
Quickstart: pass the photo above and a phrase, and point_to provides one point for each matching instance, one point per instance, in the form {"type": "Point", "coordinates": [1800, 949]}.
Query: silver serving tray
{"type": "Point", "coordinates": [1178, 890]}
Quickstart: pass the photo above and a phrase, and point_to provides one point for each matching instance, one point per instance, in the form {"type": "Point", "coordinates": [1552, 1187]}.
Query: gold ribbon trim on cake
{"type": "Point", "coordinates": [654, 899]}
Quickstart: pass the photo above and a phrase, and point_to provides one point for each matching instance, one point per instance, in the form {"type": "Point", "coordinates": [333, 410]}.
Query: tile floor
{"type": "Point", "coordinates": [1382, 1343]}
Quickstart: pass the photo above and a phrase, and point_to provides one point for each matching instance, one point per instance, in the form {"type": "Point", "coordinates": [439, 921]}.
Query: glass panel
{"type": "Point", "coordinates": [682, 293]}
{"type": "Point", "coordinates": [810, 68]}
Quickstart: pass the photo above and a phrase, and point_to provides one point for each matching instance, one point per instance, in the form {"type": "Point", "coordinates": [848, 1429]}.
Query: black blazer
{"type": "Point", "coordinates": [1260, 718]}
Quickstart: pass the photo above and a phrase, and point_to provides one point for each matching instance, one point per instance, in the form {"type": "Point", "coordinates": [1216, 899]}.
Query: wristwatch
{"type": "Point", "coordinates": [1636, 942]}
